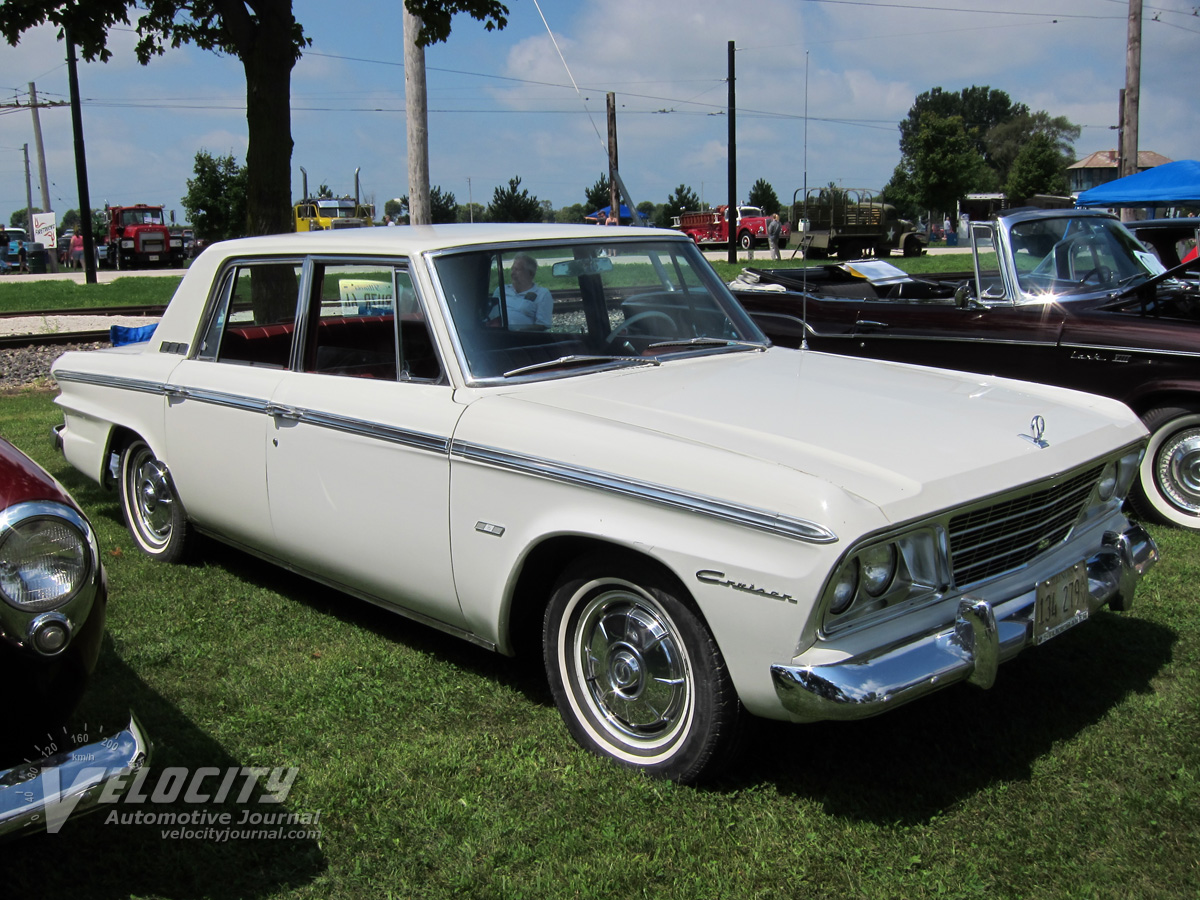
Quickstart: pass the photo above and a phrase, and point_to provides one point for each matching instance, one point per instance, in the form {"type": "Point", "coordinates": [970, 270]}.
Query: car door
{"type": "Point", "coordinates": [216, 421]}
{"type": "Point", "coordinates": [358, 472]}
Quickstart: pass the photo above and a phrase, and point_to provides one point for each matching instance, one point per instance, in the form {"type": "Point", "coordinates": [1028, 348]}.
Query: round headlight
{"type": "Point", "coordinates": [878, 568]}
{"type": "Point", "coordinates": [44, 560]}
{"type": "Point", "coordinates": [844, 588]}
{"type": "Point", "coordinates": [1107, 485]}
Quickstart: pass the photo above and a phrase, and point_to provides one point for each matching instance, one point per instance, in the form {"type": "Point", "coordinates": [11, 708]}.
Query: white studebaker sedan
{"type": "Point", "coordinates": [574, 438]}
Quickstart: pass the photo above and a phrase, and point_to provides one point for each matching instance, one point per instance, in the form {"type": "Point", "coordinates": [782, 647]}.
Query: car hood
{"type": "Point", "coordinates": [776, 429]}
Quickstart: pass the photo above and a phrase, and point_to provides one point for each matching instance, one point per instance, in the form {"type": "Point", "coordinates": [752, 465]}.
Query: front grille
{"type": "Point", "coordinates": [1007, 534]}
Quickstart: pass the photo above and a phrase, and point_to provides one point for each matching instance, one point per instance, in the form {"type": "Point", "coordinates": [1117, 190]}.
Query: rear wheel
{"type": "Point", "coordinates": [635, 673]}
{"type": "Point", "coordinates": [1168, 487]}
{"type": "Point", "coordinates": [152, 510]}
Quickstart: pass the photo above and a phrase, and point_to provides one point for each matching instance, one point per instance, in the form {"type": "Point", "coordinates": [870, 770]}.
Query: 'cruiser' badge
{"type": "Point", "coordinates": [1037, 428]}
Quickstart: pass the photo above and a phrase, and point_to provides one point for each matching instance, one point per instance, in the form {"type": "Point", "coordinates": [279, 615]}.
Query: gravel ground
{"type": "Point", "coordinates": [31, 365]}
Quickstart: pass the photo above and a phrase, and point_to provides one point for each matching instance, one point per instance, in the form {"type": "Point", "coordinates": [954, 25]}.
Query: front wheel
{"type": "Point", "coordinates": [152, 510]}
{"type": "Point", "coordinates": [746, 240]}
{"type": "Point", "coordinates": [634, 671]}
{"type": "Point", "coordinates": [1168, 487]}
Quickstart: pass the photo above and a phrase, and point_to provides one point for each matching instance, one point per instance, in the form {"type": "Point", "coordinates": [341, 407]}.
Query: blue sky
{"type": "Point", "coordinates": [502, 104]}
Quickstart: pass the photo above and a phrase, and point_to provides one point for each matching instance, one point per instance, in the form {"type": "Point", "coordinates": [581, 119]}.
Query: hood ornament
{"type": "Point", "coordinates": [1037, 428]}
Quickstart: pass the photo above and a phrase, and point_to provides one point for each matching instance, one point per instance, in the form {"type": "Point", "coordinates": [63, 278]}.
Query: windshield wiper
{"type": "Point", "coordinates": [583, 360]}
{"type": "Point", "coordinates": [709, 342]}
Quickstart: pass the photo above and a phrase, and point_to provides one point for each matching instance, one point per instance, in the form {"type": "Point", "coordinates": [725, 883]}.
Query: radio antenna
{"type": "Point", "coordinates": [804, 274]}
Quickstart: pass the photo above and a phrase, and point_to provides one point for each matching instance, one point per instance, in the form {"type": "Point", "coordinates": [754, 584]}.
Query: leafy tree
{"type": "Point", "coordinates": [324, 191]}
{"type": "Point", "coordinates": [647, 209]}
{"type": "Point", "coordinates": [945, 165]}
{"type": "Point", "coordinates": [20, 217]}
{"type": "Point", "coordinates": [682, 200]}
{"type": "Point", "coordinates": [599, 194]}
{"type": "Point", "coordinates": [443, 208]}
{"type": "Point", "coordinates": [901, 192]}
{"type": "Point", "coordinates": [215, 201]}
{"type": "Point", "coordinates": [1006, 140]}
{"type": "Point", "coordinates": [573, 214]}
{"type": "Point", "coordinates": [472, 212]}
{"type": "Point", "coordinates": [514, 204]}
{"type": "Point", "coordinates": [763, 196]}
{"type": "Point", "coordinates": [394, 207]}
{"type": "Point", "coordinates": [980, 108]}
{"type": "Point", "coordinates": [263, 34]}
{"type": "Point", "coordinates": [1038, 169]}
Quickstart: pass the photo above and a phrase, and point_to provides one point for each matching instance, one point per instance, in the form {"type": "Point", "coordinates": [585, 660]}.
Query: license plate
{"type": "Point", "coordinates": [153, 257]}
{"type": "Point", "coordinates": [1062, 601]}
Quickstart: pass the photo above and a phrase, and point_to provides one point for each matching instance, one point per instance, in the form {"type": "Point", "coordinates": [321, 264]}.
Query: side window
{"type": "Point", "coordinates": [365, 322]}
{"type": "Point", "coordinates": [255, 317]}
{"type": "Point", "coordinates": [989, 284]}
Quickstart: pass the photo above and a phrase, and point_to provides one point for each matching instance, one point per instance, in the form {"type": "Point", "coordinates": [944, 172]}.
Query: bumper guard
{"type": "Point", "coordinates": [969, 650]}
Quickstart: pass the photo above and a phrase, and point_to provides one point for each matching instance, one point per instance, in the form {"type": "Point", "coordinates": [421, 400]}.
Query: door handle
{"type": "Point", "coordinates": [289, 413]}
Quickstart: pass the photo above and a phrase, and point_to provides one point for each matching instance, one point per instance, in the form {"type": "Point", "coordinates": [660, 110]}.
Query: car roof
{"type": "Point", "coordinates": [408, 240]}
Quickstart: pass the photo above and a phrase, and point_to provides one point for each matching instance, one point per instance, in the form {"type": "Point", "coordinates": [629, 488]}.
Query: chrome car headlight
{"type": "Point", "coordinates": [885, 574]}
{"type": "Point", "coordinates": [1116, 480]}
{"type": "Point", "coordinates": [46, 556]}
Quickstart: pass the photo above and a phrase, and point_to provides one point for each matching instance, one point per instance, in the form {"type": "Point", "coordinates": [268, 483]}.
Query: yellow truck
{"type": "Point", "coordinates": [324, 213]}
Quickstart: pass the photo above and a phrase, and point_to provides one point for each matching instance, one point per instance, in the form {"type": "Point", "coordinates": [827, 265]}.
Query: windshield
{"type": "Point", "coordinates": [573, 306]}
{"type": "Point", "coordinates": [1078, 255]}
{"type": "Point", "coordinates": [337, 210]}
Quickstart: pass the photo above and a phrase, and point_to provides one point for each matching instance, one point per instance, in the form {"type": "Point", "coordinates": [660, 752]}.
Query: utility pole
{"type": "Point", "coordinates": [731, 212]}
{"type": "Point", "coordinates": [85, 201]}
{"type": "Point", "coordinates": [44, 182]}
{"type": "Point", "coordinates": [416, 105]}
{"type": "Point", "coordinates": [1133, 88]}
{"type": "Point", "coordinates": [614, 196]}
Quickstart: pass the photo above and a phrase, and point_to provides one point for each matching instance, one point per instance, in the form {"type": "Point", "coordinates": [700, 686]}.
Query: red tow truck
{"type": "Point", "coordinates": [712, 226]}
{"type": "Point", "coordinates": [139, 236]}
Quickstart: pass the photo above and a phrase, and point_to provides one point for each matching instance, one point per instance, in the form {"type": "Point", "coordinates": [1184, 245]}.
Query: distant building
{"type": "Point", "coordinates": [1101, 168]}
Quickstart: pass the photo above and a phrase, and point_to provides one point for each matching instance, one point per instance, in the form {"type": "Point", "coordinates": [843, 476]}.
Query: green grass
{"type": "Point", "coordinates": [441, 770]}
{"type": "Point", "coordinates": [47, 296]}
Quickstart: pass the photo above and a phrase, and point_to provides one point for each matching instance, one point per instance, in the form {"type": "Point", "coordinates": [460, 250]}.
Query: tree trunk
{"type": "Point", "coordinates": [268, 63]}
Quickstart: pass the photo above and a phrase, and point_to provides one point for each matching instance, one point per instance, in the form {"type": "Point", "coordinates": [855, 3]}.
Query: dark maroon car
{"type": "Point", "coordinates": [1065, 297]}
{"type": "Point", "coordinates": [53, 598]}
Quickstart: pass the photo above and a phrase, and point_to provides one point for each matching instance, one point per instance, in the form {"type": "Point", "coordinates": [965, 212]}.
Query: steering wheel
{"type": "Point", "coordinates": [640, 317]}
{"type": "Point", "coordinates": [1103, 275]}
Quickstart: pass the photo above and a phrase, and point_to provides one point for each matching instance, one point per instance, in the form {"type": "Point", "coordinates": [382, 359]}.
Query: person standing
{"type": "Point", "coordinates": [773, 230]}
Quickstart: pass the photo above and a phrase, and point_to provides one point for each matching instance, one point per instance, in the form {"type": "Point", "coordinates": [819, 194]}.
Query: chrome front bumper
{"type": "Point", "coordinates": [969, 650]}
{"type": "Point", "coordinates": [44, 793]}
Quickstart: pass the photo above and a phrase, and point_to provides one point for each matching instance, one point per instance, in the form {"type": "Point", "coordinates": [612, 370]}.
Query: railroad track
{"type": "Point", "coordinates": [51, 338]}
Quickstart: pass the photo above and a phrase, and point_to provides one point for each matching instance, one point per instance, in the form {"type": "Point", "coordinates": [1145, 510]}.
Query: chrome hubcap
{"type": "Point", "coordinates": [637, 678]}
{"type": "Point", "coordinates": [153, 499]}
{"type": "Point", "coordinates": [1177, 469]}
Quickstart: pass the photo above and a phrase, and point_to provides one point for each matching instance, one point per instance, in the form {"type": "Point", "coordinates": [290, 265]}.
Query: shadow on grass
{"type": "Point", "coordinates": [524, 674]}
{"type": "Point", "coordinates": [910, 764]}
{"type": "Point", "coordinates": [99, 856]}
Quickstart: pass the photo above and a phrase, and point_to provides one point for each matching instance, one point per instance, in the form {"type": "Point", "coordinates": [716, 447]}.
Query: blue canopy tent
{"type": "Point", "coordinates": [1171, 184]}
{"type": "Point", "coordinates": [602, 213]}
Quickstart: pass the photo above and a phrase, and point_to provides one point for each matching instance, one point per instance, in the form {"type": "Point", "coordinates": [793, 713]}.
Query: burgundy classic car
{"type": "Point", "coordinates": [1065, 297]}
{"type": "Point", "coordinates": [53, 599]}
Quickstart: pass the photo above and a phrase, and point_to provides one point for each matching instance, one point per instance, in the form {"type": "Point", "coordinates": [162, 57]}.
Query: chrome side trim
{"type": "Point", "coordinates": [125, 384]}
{"type": "Point", "coordinates": [416, 439]}
{"type": "Point", "coordinates": [218, 398]}
{"type": "Point", "coordinates": [763, 520]}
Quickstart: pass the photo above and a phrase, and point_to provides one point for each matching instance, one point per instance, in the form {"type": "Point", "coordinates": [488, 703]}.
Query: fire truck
{"type": "Point", "coordinates": [712, 226]}
{"type": "Point", "coordinates": [138, 236]}
{"type": "Point", "coordinates": [324, 213]}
